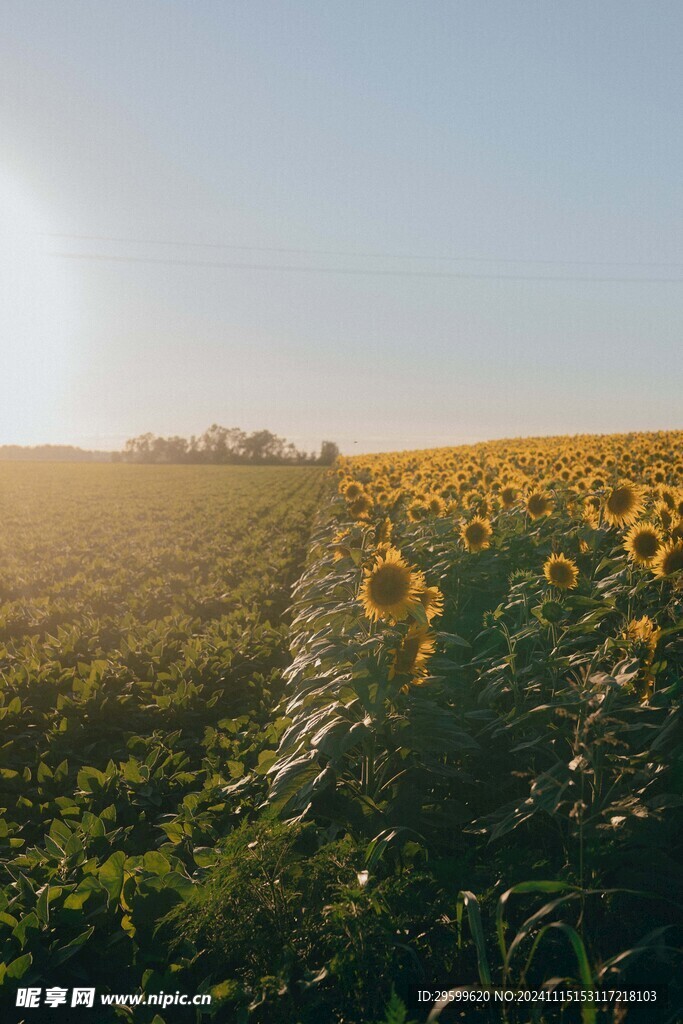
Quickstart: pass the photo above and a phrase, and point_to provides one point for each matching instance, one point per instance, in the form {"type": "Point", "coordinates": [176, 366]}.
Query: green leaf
{"type": "Point", "coordinates": [524, 887]}
{"type": "Point", "coordinates": [43, 905]}
{"type": "Point", "coordinates": [467, 900]}
{"type": "Point", "coordinates": [156, 863]}
{"type": "Point", "coordinates": [18, 968]}
{"type": "Point", "coordinates": [71, 948]}
{"type": "Point", "coordinates": [82, 893]}
{"type": "Point", "coordinates": [205, 856]}
{"type": "Point", "coordinates": [111, 874]}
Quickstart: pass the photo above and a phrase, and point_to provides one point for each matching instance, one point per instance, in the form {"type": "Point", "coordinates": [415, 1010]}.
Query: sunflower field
{"type": "Point", "coordinates": [356, 748]}
{"type": "Point", "coordinates": [485, 703]}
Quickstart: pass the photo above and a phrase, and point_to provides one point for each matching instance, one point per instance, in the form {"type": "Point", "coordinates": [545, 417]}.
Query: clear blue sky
{"type": "Point", "coordinates": [458, 140]}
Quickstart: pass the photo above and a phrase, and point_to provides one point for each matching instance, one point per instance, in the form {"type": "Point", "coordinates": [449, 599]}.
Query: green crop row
{"type": "Point", "coordinates": [141, 648]}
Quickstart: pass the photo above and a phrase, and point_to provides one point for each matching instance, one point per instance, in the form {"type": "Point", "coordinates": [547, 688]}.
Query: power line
{"type": "Point", "coordinates": [349, 271]}
{"type": "Point", "coordinates": [362, 255]}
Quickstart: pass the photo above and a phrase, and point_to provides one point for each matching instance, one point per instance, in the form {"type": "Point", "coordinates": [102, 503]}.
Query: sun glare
{"type": "Point", "coordinates": [37, 317]}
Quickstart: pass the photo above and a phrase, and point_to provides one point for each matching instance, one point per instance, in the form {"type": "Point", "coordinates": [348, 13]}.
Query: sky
{"type": "Point", "coordinates": [389, 224]}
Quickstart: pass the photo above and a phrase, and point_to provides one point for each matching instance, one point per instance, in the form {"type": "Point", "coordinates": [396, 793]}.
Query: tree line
{"type": "Point", "coordinates": [224, 445]}
{"type": "Point", "coordinates": [50, 453]}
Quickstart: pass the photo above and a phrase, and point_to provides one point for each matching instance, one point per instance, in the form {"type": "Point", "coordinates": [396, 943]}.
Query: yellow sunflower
{"type": "Point", "coordinates": [476, 534]}
{"type": "Point", "coordinates": [669, 559]}
{"type": "Point", "coordinates": [664, 513]}
{"type": "Point", "coordinates": [436, 505]}
{"type": "Point", "coordinates": [561, 572]}
{"type": "Point", "coordinates": [340, 545]}
{"type": "Point", "coordinates": [384, 531]}
{"type": "Point", "coordinates": [623, 503]}
{"type": "Point", "coordinates": [508, 496]}
{"type": "Point", "coordinates": [431, 599]}
{"type": "Point", "coordinates": [591, 514]}
{"type": "Point", "coordinates": [351, 489]}
{"type": "Point", "coordinates": [390, 587]}
{"type": "Point", "coordinates": [412, 654]}
{"type": "Point", "coordinates": [668, 497]}
{"type": "Point", "coordinates": [643, 631]}
{"type": "Point", "coordinates": [417, 511]}
{"type": "Point", "coordinates": [360, 506]}
{"type": "Point", "coordinates": [642, 542]}
{"type": "Point", "coordinates": [538, 504]}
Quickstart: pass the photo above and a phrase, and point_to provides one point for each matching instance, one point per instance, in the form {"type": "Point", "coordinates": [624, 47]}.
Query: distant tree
{"type": "Point", "coordinates": [52, 453]}
{"type": "Point", "coordinates": [264, 446]}
{"type": "Point", "coordinates": [329, 453]}
{"type": "Point", "coordinates": [139, 449]}
{"type": "Point", "coordinates": [221, 445]}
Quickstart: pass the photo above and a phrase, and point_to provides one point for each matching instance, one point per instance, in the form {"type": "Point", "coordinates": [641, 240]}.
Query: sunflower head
{"type": "Point", "coordinates": [642, 542]}
{"type": "Point", "coordinates": [643, 632]}
{"type": "Point", "coordinates": [590, 515]}
{"type": "Point", "coordinates": [538, 504]}
{"type": "Point", "coordinates": [561, 572]}
{"type": "Point", "coordinates": [384, 531]}
{"type": "Point", "coordinates": [476, 534]}
{"type": "Point", "coordinates": [341, 545]}
{"type": "Point", "coordinates": [412, 654]}
{"type": "Point", "coordinates": [665, 515]}
{"type": "Point", "coordinates": [431, 600]}
{"type": "Point", "coordinates": [623, 503]}
{"type": "Point", "coordinates": [417, 511]}
{"type": "Point", "coordinates": [669, 560]}
{"type": "Point", "coordinates": [361, 506]}
{"type": "Point", "coordinates": [390, 587]}
{"type": "Point", "coordinates": [436, 506]}
{"type": "Point", "coordinates": [351, 489]}
{"type": "Point", "coordinates": [508, 496]}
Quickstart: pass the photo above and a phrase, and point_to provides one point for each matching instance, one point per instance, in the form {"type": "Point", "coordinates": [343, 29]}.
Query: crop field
{"type": "Point", "coordinates": [141, 649]}
{"type": "Point", "coordinates": [343, 748]}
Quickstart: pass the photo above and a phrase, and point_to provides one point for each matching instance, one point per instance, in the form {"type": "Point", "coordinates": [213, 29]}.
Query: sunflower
{"type": "Point", "coordinates": [668, 497]}
{"type": "Point", "coordinates": [538, 504]}
{"type": "Point", "coordinates": [623, 503]}
{"type": "Point", "coordinates": [384, 531]}
{"type": "Point", "coordinates": [412, 654]}
{"type": "Point", "coordinates": [642, 542]}
{"type": "Point", "coordinates": [508, 496]}
{"type": "Point", "coordinates": [436, 505]}
{"type": "Point", "coordinates": [643, 631]}
{"type": "Point", "coordinates": [390, 587]}
{"type": "Point", "coordinates": [561, 572]}
{"type": "Point", "coordinates": [476, 534]}
{"type": "Point", "coordinates": [417, 511]}
{"type": "Point", "coordinates": [590, 513]}
{"type": "Point", "coordinates": [664, 513]}
{"type": "Point", "coordinates": [669, 559]}
{"type": "Point", "coordinates": [340, 545]}
{"type": "Point", "coordinates": [352, 489]}
{"type": "Point", "coordinates": [360, 506]}
{"type": "Point", "coordinates": [431, 600]}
